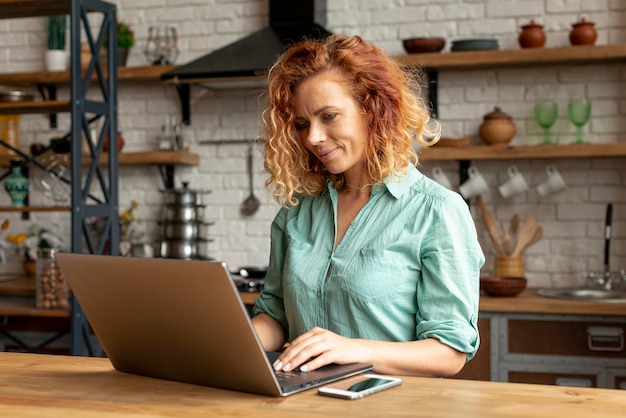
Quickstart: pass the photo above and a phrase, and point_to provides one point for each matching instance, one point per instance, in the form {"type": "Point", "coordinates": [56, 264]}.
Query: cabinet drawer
{"type": "Point", "coordinates": [566, 338]}
{"type": "Point", "coordinates": [617, 379]}
{"type": "Point", "coordinates": [559, 379]}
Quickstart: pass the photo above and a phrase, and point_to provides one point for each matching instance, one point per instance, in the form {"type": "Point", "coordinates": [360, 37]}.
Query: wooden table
{"type": "Point", "coordinates": [37, 385]}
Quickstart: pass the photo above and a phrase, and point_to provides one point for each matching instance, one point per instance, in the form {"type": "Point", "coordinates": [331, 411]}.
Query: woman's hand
{"type": "Point", "coordinates": [319, 347]}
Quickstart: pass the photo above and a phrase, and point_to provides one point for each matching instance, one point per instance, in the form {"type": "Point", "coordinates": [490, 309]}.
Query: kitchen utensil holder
{"type": "Point", "coordinates": [509, 266]}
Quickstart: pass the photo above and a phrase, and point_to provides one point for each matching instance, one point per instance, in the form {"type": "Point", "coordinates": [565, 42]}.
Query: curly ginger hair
{"type": "Point", "coordinates": [388, 93]}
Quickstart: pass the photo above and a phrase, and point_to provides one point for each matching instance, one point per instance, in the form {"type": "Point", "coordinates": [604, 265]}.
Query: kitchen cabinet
{"type": "Point", "coordinates": [569, 350]}
{"type": "Point", "coordinates": [479, 368]}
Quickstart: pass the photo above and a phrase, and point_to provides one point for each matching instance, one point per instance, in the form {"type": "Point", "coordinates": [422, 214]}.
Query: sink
{"type": "Point", "coordinates": [584, 294]}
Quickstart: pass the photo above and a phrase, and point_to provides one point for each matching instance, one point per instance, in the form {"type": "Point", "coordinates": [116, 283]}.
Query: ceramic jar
{"type": "Point", "coordinates": [583, 33]}
{"type": "Point", "coordinates": [17, 185]}
{"type": "Point", "coordinates": [532, 36]}
{"type": "Point", "coordinates": [497, 128]}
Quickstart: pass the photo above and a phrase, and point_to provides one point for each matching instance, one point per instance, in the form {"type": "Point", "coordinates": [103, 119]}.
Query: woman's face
{"type": "Point", "coordinates": [331, 125]}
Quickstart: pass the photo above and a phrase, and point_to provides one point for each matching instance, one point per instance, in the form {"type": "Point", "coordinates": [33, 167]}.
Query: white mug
{"type": "Point", "coordinates": [514, 185]}
{"type": "Point", "coordinates": [475, 185]}
{"type": "Point", "coordinates": [553, 184]}
{"type": "Point", "coordinates": [440, 177]}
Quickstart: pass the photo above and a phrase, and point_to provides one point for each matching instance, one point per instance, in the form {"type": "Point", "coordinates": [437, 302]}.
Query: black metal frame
{"type": "Point", "coordinates": [433, 98]}
{"type": "Point", "coordinates": [83, 206]}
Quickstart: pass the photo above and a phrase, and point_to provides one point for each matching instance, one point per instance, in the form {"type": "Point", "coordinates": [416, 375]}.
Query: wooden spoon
{"type": "Point", "coordinates": [515, 223]}
{"type": "Point", "coordinates": [508, 241]}
{"type": "Point", "coordinates": [526, 235]}
{"type": "Point", "coordinates": [491, 225]}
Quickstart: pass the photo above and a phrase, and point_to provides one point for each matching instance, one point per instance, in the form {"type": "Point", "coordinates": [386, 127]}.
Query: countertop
{"type": "Point", "coordinates": [35, 385]}
{"type": "Point", "coordinates": [526, 302]}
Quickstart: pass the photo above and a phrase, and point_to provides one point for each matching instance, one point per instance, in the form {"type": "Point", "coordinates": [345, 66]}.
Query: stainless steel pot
{"type": "Point", "coordinates": [181, 213]}
{"type": "Point", "coordinates": [184, 249]}
{"type": "Point", "coordinates": [185, 230]}
{"type": "Point", "coordinates": [184, 196]}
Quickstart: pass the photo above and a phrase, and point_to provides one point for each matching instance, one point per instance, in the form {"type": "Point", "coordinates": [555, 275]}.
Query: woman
{"type": "Point", "coordinates": [371, 261]}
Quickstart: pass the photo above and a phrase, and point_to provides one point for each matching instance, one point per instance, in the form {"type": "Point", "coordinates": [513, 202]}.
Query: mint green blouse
{"type": "Point", "coordinates": [407, 268]}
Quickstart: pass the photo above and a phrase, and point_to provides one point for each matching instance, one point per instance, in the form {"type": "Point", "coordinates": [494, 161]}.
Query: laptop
{"type": "Point", "coordinates": [181, 320]}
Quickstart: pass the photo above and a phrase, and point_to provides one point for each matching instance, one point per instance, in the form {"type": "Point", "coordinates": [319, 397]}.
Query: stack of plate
{"type": "Point", "coordinates": [474, 44]}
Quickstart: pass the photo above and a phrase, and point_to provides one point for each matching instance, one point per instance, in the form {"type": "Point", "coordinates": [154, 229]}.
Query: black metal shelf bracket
{"type": "Point", "coordinates": [185, 105]}
{"type": "Point", "coordinates": [167, 175]}
{"type": "Point", "coordinates": [49, 92]}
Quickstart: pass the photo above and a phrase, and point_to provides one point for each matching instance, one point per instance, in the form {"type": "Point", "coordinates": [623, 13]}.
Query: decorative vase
{"type": "Point", "coordinates": [17, 185]}
{"type": "Point", "coordinates": [583, 33]}
{"type": "Point", "coordinates": [498, 128]}
{"type": "Point", "coordinates": [532, 36]}
{"type": "Point", "coordinates": [30, 267]}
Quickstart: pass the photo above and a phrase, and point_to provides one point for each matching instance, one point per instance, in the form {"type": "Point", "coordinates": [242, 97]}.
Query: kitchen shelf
{"type": "Point", "coordinates": [137, 158]}
{"type": "Point", "coordinates": [32, 8]}
{"type": "Point", "coordinates": [50, 106]}
{"type": "Point", "coordinates": [134, 74]}
{"type": "Point", "coordinates": [580, 54]}
{"type": "Point", "coordinates": [35, 209]}
{"type": "Point", "coordinates": [486, 152]}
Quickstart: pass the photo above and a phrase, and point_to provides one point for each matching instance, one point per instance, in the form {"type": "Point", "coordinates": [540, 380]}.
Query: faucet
{"type": "Point", "coordinates": [607, 281]}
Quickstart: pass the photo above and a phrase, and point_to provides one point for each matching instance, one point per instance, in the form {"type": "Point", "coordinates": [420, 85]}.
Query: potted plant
{"type": "Point", "coordinates": [56, 55]}
{"type": "Point", "coordinates": [125, 41]}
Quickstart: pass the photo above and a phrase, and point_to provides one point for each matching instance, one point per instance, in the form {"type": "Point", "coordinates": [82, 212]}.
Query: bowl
{"type": "Point", "coordinates": [502, 286]}
{"type": "Point", "coordinates": [416, 45]}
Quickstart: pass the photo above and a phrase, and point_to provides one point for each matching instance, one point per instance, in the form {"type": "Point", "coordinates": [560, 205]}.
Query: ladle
{"type": "Point", "coordinates": [251, 204]}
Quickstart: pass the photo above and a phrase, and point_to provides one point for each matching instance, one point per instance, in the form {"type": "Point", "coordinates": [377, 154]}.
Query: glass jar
{"type": "Point", "coordinates": [52, 289]}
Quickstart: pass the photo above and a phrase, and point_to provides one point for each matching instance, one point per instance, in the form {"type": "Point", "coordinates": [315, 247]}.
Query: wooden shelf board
{"type": "Point", "coordinates": [582, 54]}
{"type": "Point", "coordinates": [35, 209]}
{"type": "Point", "coordinates": [135, 74]}
{"type": "Point", "coordinates": [158, 157]}
{"type": "Point", "coordinates": [131, 158]}
{"type": "Point", "coordinates": [617, 149]}
{"type": "Point", "coordinates": [32, 8]}
{"type": "Point", "coordinates": [52, 106]}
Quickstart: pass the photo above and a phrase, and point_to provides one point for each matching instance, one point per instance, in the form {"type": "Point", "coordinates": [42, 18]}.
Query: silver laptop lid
{"type": "Point", "coordinates": [172, 319]}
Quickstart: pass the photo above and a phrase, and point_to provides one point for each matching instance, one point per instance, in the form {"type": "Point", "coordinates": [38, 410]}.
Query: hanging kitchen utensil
{"type": "Point", "coordinates": [492, 228]}
{"type": "Point", "coordinates": [251, 204]}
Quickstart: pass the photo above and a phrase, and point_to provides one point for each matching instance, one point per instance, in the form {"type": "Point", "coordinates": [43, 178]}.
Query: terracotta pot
{"type": "Point", "coordinates": [120, 142]}
{"type": "Point", "coordinates": [532, 36]}
{"type": "Point", "coordinates": [583, 33]}
{"type": "Point", "coordinates": [30, 267]}
{"type": "Point", "coordinates": [498, 128]}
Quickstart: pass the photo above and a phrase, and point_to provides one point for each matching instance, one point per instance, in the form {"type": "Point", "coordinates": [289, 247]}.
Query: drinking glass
{"type": "Point", "coordinates": [545, 115]}
{"type": "Point", "coordinates": [578, 112]}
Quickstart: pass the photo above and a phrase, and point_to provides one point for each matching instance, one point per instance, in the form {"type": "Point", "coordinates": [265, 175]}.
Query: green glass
{"type": "Point", "coordinates": [546, 114]}
{"type": "Point", "coordinates": [579, 112]}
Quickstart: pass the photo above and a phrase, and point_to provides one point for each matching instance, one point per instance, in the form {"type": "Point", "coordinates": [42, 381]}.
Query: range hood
{"type": "Point", "coordinates": [242, 63]}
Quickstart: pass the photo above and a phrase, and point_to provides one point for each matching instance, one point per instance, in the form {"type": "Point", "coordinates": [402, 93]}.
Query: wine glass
{"type": "Point", "coordinates": [578, 112]}
{"type": "Point", "coordinates": [545, 115]}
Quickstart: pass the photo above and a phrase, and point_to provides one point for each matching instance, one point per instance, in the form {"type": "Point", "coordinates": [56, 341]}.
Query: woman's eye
{"type": "Point", "coordinates": [330, 116]}
{"type": "Point", "coordinates": [301, 126]}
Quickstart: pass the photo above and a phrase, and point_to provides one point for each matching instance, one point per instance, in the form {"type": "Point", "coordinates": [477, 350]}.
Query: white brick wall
{"type": "Point", "coordinates": [573, 220]}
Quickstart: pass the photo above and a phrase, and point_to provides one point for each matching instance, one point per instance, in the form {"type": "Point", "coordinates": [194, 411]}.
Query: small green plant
{"type": "Point", "coordinates": [125, 36]}
{"type": "Point", "coordinates": [56, 32]}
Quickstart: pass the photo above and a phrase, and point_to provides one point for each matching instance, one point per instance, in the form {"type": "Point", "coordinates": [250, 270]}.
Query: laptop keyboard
{"type": "Point", "coordinates": [288, 375]}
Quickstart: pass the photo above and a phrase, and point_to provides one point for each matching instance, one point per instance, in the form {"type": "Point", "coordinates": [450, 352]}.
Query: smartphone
{"type": "Point", "coordinates": [359, 386]}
